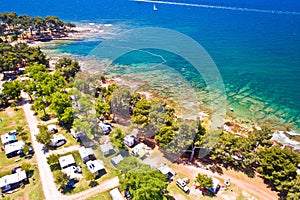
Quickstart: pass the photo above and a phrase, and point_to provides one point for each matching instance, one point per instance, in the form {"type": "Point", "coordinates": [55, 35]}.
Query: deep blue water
{"type": "Point", "coordinates": [256, 50]}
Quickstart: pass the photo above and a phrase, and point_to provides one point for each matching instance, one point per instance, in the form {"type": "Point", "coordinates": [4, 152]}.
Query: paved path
{"type": "Point", "coordinates": [249, 187]}
{"type": "Point", "coordinates": [63, 150]}
{"type": "Point", "coordinates": [104, 186]}
{"type": "Point", "coordinates": [49, 187]}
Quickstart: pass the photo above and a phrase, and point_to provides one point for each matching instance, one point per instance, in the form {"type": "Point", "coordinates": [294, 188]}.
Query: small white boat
{"type": "Point", "coordinates": [154, 7]}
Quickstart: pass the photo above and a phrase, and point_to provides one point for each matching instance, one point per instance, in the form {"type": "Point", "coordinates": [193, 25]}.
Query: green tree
{"type": "Point", "coordinates": [20, 129]}
{"type": "Point", "coordinates": [141, 112]}
{"type": "Point", "coordinates": [26, 166]}
{"type": "Point", "coordinates": [102, 108]}
{"type": "Point", "coordinates": [85, 104]}
{"type": "Point", "coordinates": [67, 67]}
{"type": "Point", "coordinates": [26, 146]}
{"type": "Point", "coordinates": [12, 89]}
{"type": "Point", "coordinates": [145, 184]}
{"type": "Point", "coordinates": [68, 116]}
{"type": "Point", "coordinates": [204, 181]}
{"type": "Point", "coordinates": [89, 176]}
{"type": "Point", "coordinates": [44, 136]}
{"type": "Point", "coordinates": [25, 138]}
{"type": "Point", "coordinates": [294, 189]}
{"type": "Point", "coordinates": [53, 159]}
{"type": "Point", "coordinates": [29, 87]}
{"type": "Point", "coordinates": [130, 163]}
{"type": "Point", "coordinates": [82, 125]}
{"type": "Point", "coordinates": [39, 104]}
{"type": "Point", "coordinates": [278, 166]}
{"type": "Point", "coordinates": [61, 178]}
{"type": "Point", "coordinates": [59, 103]}
{"type": "Point", "coordinates": [117, 137]}
{"type": "Point", "coordinates": [34, 69]}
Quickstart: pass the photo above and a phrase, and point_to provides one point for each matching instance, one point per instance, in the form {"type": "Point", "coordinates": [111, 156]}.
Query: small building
{"type": "Point", "coordinates": [68, 166]}
{"type": "Point", "coordinates": [116, 160]}
{"type": "Point", "coordinates": [139, 150]}
{"type": "Point", "coordinates": [8, 138]}
{"type": "Point", "coordinates": [107, 149]}
{"type": "Point", "coordinates": [115, 194]}
{"type": "Point", "coordinates": [13, 181]}
{"type": "Point", "coordinates": [14, 149]}
{"type": "Point", "coordinates": [81, 137]}
{"type": "Point", "coordinates": [58, 140]}
{"type": "Point", "coordinates": [52, 128]}
{"type": "Point", "coordinates": [106, 128]}
{"type": "Point", "coordinates": [86, 154]}
{"type": "Point", "coordinates": [129, 140]}
{"type": "Point", "coordinates": [168, 171]}
{"type": "Point", "coordinates": [95, 166]}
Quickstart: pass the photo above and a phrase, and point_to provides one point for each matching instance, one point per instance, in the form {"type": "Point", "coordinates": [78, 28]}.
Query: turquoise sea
{"type": "Point", "coordinates": [255, 44]}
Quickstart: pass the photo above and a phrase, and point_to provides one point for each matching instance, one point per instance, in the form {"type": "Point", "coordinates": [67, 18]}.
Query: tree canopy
{"type": "Point", "coordinates": [21, 55]}
{"type": "Point", "coordinates": [12, 89]}
{"type": "Point", "coordinates": [67, 67]}
{"type": "Point", "coordinates": [279, 166]}
{"type": "Point", "coordinates": [141, 181]}
{"type": "Point", "coordinates": [204, 181]}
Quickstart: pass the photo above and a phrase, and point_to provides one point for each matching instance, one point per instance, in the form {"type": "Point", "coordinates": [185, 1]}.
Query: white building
{"type": "Point", "coordinates": [107, 149]}
{"type": "Point", "coordinates": [86, 154]}
{"type": "Point", "coordinates": [13, 181]}
{"type": "Point", "coordinates": [115, 194]}
{"type": "Point", "coordinates": [168, 171]}
{"type": "Point", "coordinates": [14, 149]}
{"type": "Point", "coordinates": [129, 140]}
{"type": "Point", "coordinates": [139, 150]}
{"type": "Point", "coordinates": [95, 166]}
{"type": "Point", "coordinates": [116, 160]}
{"type": "Point", "coordinates": [8, 138]}
{"type": "Point", "coordinates": [58, 140]}
{"type": "Point", "coordinates": [68, 166]}
{"type": "Point", "coordinates": [52, 128]}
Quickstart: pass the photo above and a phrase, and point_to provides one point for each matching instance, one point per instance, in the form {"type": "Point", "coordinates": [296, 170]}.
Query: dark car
{"type": "Point", "coordinates": [16, 169]}
{"type": "Point", "coordinates": [127, 195]}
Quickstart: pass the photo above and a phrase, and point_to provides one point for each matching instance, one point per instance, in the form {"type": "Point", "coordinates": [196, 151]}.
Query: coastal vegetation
{"type": "Point", "coordinates": [15, 26]}
{"type": "Point", "coordinates": [142, 182]}
{"type": "Point", "coordinates": [204, 181]}
{"type": "Point", "coordinates": [13, 57]}
{"type": "Point", "coordinates": [49, 91]}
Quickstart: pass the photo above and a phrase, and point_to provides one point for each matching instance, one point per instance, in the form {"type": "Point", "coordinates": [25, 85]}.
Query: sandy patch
{"type": "Point", "coordinates": [10, 112]}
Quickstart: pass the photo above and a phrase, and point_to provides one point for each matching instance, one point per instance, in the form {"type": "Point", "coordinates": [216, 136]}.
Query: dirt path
{"type": "Point", "coordinates": [104, 186]}
{"type": "Point", "coordinates": [49, 187]}
{"type": "Point", "coordinates": [254, 186]}
{"type": "Point", "coordinates": [63, 150]}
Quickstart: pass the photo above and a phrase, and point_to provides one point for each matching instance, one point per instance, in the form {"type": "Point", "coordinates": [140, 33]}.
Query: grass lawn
{"type": "Point", "coordinates": [71, 141]}
{"type": "Point", "coordinates": [32, 191]}
{"type": "Point", "coordinates": [101, 196]}
{"type": "Point", "coordinates": [83, 184]}
{"type": "Point", "coordinates": [11, 119]}
{"type": "Point", "coordinates": [174, 189]}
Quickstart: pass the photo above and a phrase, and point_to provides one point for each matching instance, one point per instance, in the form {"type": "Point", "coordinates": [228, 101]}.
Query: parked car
{"type": "Point", "coordinates": [182, 184]}
{"type": "Point", "coordinates": [16, 169]}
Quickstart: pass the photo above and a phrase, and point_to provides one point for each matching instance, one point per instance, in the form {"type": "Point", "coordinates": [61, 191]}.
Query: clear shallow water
{"type": "Point", "coordinates": [257, 53]}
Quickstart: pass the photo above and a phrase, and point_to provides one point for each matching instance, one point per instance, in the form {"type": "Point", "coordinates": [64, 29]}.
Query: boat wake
{"type": "Point", "coordinates": [222, 7]}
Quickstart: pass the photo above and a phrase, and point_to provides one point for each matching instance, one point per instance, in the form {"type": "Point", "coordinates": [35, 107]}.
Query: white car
{"type": "Point", "coordinates": [180, 183]}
